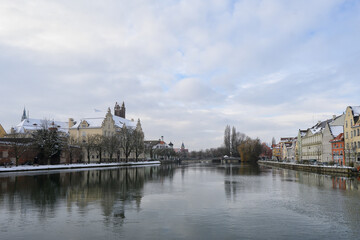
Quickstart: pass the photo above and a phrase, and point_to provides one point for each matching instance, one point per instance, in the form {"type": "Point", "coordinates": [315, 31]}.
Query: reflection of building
{"type": "Point", "coordinates": [112, 191]}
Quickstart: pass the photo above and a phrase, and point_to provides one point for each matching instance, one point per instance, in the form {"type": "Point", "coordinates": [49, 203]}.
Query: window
{"type": "Point", "coordinates": [351, 134]}
{"type": "Point", "coordinates": [354, 133]}
{"type": "Point", "coordinates": [347, 135]}
{"type": "Point", "coordinates": [358, 132]}
{"type": "Point", "coordinates": [351, 122]}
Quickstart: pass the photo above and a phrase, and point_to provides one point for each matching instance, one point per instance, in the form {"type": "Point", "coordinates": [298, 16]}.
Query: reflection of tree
{"type": "Point", "coordinates": [111, 189]}
{"type": "Point", "coordinates": [232, 183]}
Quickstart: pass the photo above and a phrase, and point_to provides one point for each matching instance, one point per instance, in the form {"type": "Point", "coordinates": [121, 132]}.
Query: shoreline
{"type": "Point", "coordinates": [73, 166]}
{"type": "Point", "coordinates": [332, 170]}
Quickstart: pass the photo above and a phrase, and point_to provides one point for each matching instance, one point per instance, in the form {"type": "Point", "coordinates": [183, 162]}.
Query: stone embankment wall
{"type": "Point", "coordinates": [311, 168]}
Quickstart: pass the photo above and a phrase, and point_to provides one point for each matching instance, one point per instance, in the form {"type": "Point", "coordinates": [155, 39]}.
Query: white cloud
{"type": "Point", "coordinates": [186, 68]}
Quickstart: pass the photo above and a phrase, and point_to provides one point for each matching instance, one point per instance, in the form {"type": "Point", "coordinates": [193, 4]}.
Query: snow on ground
{"type": "Point", "coordinates": [72, 166]}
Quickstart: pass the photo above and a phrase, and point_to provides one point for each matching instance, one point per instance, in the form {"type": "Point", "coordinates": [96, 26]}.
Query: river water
{"type": "Point", "coordinates": [198, 201]}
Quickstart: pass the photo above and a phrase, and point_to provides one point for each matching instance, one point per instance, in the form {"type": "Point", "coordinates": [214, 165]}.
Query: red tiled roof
{"type": "Point", "coordinates": [339, 138]}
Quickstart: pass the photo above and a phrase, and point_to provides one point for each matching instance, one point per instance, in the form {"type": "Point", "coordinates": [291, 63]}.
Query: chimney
{"type": "Point", "coordinates": [334, 116]}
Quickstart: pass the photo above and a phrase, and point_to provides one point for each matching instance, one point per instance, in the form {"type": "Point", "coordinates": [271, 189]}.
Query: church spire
{"type": "Point", "coordinates": [24, 115]}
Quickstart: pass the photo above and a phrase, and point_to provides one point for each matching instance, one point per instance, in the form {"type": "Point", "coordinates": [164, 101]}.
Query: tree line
{"type": "Point", "coordinates": [48, 144]}
{"type": "Point", "coordinates": [236, 144]}
{"type": "Point", "coordinates": [125, 141]}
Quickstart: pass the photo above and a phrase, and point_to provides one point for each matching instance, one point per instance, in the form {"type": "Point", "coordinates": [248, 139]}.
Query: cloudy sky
{"type": "Point", "coordinates": [186, 68]}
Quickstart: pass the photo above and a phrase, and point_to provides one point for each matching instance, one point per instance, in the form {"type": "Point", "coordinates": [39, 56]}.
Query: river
{"type": "Point", "coordinates": [195, 201]}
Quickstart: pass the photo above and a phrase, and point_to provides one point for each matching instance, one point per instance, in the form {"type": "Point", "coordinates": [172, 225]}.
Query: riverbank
{"type": "Point", "coordinates": [72, 166]}
{"type": "Point", "coordinates": [333, 170]}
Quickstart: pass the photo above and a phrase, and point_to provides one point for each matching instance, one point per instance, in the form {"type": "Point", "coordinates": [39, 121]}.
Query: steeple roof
{"type": "Point", "coordinates": [24, 115]}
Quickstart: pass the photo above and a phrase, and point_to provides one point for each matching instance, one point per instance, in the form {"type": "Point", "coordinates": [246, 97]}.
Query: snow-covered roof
{"type": "Point", "coordinates": [336, 130]}
{"type": "Point", "coordinates": [356, 110]}
{"type": "Point", "coordinates": [96, 122]}
{"type": "Point", "coordinates": [161, 145]}
{"type": "Point", "coordinates": [119, 121]}
{"type": "Point", "coordinates": [92, 122]}
{"type": "Point", "coordinates": [316, 130]}
{"type": "Point", "coordinates": [32, 124]}
{"type": "Point", "coordinates": [319, 127]}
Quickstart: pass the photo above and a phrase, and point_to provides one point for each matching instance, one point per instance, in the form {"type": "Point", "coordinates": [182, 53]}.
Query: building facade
{"type": "Point", "coordinates": [298, 152]}
{"type": "Point", "coordinates": [352, 135]}
{"type": "Point", "coordinates": [2, 132]}
{"type": "Point", "coordinates": [337, 145]}
{"type": "Point", "coordinates": [276, 151]}
{"type": "Point", "coordinates": [106, 126]}
{"type": "Point", "coordinates": [315, 144]}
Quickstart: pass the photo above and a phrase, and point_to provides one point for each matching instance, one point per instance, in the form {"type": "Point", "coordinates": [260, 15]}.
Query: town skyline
{"type": "Point", "coordinates": [185, 68]}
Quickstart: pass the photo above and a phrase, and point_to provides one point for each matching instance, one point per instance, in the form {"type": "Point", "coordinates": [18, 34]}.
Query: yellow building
{"type": "Point", "coordinates": [2, 132]}
{"type": "Point", "coordinates": [352, 135]}
{"type": "Point", "coordinates": [276, 151]}
{"type": "Point", "coordinates": [106, 126]}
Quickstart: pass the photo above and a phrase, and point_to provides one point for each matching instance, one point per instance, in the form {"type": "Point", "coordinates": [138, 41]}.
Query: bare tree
{"type": "Point", "coordinates": [111, 145]}
{"type": "Point", "coordinates": [233, 141]}
{"type": "Point", "coordinates": [139, 146]}
{"type": "Point", "coordinates": [240, 137]}
{"type": "Point", "coordinates": [89, 146]}
{"type": "Point", "coordinates": [318, 153]}
{"type": "Point", "coordinates": [227, 140]}
{"type": "Point", "coordinates": [71, 147]}
{"type": "Point", "coordinates": [126, 141]}
{"type": "Point", "coordinates": [99, 145]}
{"type": "Point", "coordinates": [19, 145]}
{"type": "Point", "coordinates": [273, 141]}
{"type": "Point", "coordinates": [49, 143]}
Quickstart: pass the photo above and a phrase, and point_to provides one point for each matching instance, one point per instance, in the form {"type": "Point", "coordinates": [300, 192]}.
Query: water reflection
{"type": "Point", "coordinates": [112, 189]}
{"type": "Point", "coordinates": [200, 201]}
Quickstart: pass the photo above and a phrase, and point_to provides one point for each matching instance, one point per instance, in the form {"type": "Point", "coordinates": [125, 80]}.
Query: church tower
{"type": "Point", "coordinates": [122, 111]}
{"type": "Point", "coordinates": [119, 111]}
